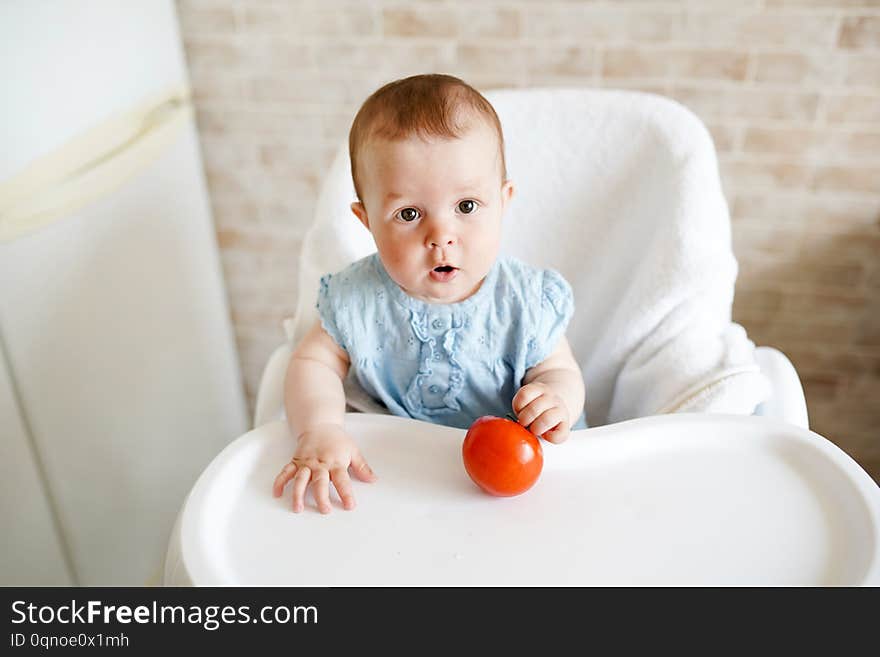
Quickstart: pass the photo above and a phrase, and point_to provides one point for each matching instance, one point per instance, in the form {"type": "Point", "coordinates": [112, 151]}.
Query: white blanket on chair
{"type": "Point", "coordinates": [633, 214]}
{"type": "Point", "coordinates": [620, 193]}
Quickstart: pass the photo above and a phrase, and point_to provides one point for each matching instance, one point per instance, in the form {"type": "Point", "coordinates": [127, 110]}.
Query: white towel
{"type": "Point", "coordinates": [620, 192]}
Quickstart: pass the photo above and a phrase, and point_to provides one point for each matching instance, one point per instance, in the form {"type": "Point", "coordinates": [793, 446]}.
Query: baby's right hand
{"type": "Point", "coordinates": [323, 454]}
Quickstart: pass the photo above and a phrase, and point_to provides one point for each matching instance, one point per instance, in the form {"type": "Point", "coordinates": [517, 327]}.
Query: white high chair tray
{"type": "Point", "coordinates": [669, 500]}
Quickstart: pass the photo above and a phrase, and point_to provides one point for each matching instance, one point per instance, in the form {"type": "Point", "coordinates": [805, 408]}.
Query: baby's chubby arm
{"type": "Point", "coordinates": [552, 395]}
{"type": "Point", "coordinates": [314, 400]}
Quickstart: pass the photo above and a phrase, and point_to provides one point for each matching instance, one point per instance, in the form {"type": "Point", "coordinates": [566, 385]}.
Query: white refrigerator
{"type": "Point", "coordinates": [119, 379]}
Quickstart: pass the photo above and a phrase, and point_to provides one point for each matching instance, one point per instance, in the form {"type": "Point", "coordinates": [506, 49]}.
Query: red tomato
{"type": "Point", "coordinates": [502, 457]}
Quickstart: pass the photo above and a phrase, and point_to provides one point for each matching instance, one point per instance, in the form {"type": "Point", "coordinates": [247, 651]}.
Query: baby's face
{"type": "Point", "coordinates": [432, 203]}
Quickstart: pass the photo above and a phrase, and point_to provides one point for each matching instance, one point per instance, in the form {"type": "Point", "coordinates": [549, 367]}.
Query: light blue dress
{"type": "Point", "coordinates": [445, 363]}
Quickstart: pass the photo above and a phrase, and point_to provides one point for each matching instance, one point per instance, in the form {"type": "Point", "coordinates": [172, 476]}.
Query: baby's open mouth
{"type": "Point", "coordinates": [443, 273]}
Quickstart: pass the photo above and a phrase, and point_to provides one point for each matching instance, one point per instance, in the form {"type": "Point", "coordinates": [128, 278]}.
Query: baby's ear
{"type": "Point", "coordinates": [507, 190]}
{"type": "Point", "coordinates": [361, 213]}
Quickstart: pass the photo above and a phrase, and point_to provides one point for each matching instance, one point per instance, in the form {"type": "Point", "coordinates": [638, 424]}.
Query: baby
{"type": "Point", "coordinates": [436, 326]}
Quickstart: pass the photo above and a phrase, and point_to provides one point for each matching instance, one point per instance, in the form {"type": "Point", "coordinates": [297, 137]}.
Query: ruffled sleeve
{"type": "Point", "coordinates": [328, 309]}
{"type": "Point", "coordinates": [556, 310]}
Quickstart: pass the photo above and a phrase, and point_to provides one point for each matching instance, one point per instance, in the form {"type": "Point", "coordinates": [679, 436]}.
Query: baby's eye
{"type": "Point", "coordinates": [467, 207]}
{"type": "Point", "coordinates": [408, 215]}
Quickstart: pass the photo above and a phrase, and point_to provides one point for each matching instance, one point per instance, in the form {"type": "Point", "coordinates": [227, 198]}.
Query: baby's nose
{"type": "Point", "coordinates": [440, 236]}
{"type": "Point", "coordinates": [440, 232]}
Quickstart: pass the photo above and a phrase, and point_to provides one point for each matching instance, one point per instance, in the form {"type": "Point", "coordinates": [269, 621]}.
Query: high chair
{"type": "Point", "coordinates": [698, 468]}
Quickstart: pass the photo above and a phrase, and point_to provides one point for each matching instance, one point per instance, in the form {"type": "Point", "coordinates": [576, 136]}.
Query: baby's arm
{"type": "Point", "coordinates": [314, 400]}
{"type": "Point", "coordinates": [313, 393]}
{"type": "Point", "coordinates": [552, 395]}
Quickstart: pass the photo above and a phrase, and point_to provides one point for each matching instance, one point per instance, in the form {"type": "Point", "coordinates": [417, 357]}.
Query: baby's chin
{"type": "Point", "coordinates": [430, 296]}
{"type": "Point", "coordinates": [444, 293]}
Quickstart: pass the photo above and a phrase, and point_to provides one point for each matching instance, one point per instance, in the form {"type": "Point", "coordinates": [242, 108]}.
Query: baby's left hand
{"type": "Point", "coordinates": [538, 407]}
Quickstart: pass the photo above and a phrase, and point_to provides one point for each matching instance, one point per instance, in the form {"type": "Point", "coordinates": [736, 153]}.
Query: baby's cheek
{"type": "Point", "coordinates": [395, 265]}
{"type": "Point", "coordinates": [487, 242]}
{"type": "Point", "coordinates": [402, 254]}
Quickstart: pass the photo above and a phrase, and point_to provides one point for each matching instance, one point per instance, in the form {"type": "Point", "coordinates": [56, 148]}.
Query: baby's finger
{"type": "Point", "coordinates": [300, 481]}
{"type": "Point", "coordinates": [321, 490]}
{"type": "Point", "coordinates": [524, 397]}
{"type": "Point", "coordinates": [534, 410]}
{"type": "Point", "coordinates": [281, 480]}
{"type": "Point", "coordinates": [360, 468]}
{"type": "Point", "coordinates": [547, 420]}
{"type": "Point", "coordinates": [559, 433]}
{"type": "Point", "coordinates": [342, 482]}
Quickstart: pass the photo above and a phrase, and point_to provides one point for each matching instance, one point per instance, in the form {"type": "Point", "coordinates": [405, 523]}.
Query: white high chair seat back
{"type": "Point", "coordinates": [619, 192]}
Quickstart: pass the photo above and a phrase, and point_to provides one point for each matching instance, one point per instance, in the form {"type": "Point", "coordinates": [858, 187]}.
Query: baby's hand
{"type": "Point", "coordinates": [540, 409]}
{"type": "Point", "coordinates": [323, 454]}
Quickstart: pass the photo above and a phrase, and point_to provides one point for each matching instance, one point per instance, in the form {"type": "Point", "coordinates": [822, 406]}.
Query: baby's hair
{"type": "Point", "coordinates": [427, 105]}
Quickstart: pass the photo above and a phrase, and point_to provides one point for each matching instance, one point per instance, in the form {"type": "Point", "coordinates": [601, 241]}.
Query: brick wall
{"type": "Point", "coordinates": [790, 90]}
